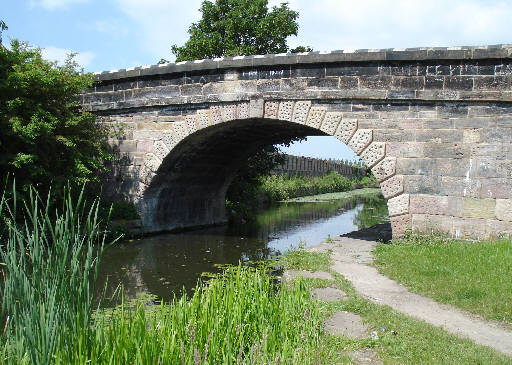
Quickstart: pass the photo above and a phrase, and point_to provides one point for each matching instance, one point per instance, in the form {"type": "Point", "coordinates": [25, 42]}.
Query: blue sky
{"type": "Point", "coordinates": [114, 34]}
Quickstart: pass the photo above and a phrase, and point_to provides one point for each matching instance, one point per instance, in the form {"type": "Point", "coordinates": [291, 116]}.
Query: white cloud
{"type": "Point", "coordinates": [338, 24]}
{"type": "Point", "coordinates": [60, 54]}
{"type": "Point", "coordinates": [55, 4]}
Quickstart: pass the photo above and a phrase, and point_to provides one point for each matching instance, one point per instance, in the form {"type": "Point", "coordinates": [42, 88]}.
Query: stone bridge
{"type": "Point", "coordinates": [433, 124]}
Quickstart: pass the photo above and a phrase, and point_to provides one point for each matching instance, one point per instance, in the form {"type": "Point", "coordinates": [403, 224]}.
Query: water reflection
{"type": "Point", "coordinates": [166, 263]}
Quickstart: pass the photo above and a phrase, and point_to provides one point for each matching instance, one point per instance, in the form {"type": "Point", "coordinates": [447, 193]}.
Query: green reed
{"type": "Point", "coordinates": [49, 264]}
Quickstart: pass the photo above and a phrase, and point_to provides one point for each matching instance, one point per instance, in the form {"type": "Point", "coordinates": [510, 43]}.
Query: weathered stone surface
{"type": "Point", "coordinates": [392, 186]}
{"type": "Point", "coordinates": [229, 112]}
{"type": "Point", "coordinates": [316, 116]}
{"type": "Point", "coordinates": [384, 169]}
{"type": "Point", "coordinates": [180, 130]}
{"type": "Point", "coordinates": [243, 111]}
{"type": "Point", "coordinates": [504, 209]}
{"type": "Point", "coordinates": [152, 162]}
{"type": "Point", "coordinates": [285, 110]}
{"type": "Point", "coordinates": [170, 139]}
{"type": "Point", "coordinates": [436, 205]}
{"type": "Point", "coordinates": [203, 119]}
{"type": "Point", "coordinates": [216, 114]}
{"type": "Point", "coordinates": [160, 150]}
{"type": "Point", "coordinates": [346, 324]}
{"type": "Point", "coordinates": [301, 111]}
{"type": "Point", "coordinates": [398, 205]}
{"type": "Point", "coordinates": [346, 129]}
{"type": "Point", "coordinates": [374, 153]}
{"type": "Point", "coordinates": [331, 122]}
{"type": "Point", "coordinates": [478, 208]}
{"type": "Point", "coordinates": [192, 123]}
{"type": "Point", "coordinates": [432, 224]}
{"type": "Point", "coordinates": [400, 224]}
{"type": "Point", "coordinates": [329, 294]}
{"type": "Point", "coordinates": [360, 140]}
{"type": "Point", "coordinates": [256, 108]}
{"type": "Point", "coordinates": [271, 109]}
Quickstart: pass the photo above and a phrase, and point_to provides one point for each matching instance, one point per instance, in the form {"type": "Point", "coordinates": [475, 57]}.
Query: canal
{"type": "Point", "coordinates": [165, 264]}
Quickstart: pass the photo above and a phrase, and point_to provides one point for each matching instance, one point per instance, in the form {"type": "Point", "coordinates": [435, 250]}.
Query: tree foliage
{"type": "Point", "coordinates": [45, 139]}
{"type": "Point", "coordinates": [238, 27]}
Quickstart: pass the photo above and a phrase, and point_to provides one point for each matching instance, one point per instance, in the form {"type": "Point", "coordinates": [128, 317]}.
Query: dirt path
{"type": "Point", "coordinates": [351, 258]}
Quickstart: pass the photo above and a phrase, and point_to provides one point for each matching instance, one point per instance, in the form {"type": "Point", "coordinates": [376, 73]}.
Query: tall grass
{"type": "Point", "coordinates": [238, 317]}
{"type": "Point", "coordinates": [49, 266]}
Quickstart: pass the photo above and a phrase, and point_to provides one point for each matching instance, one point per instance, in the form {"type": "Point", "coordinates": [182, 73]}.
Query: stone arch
{"type": "Point", "coordinates": [165, 188]}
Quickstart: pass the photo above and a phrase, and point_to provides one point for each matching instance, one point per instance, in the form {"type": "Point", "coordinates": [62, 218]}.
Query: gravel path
{"type": "Point", "coordinates": [351, 258]}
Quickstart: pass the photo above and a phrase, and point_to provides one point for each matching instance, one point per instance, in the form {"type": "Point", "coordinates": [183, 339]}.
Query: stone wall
{"type": "Point", "coordinates": [434, 125]}
{"type": "Point", "coordinates": [308, 166]}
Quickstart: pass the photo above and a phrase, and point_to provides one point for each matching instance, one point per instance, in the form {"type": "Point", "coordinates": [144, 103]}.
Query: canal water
{"type": "Point", "coordinates": [168, 263]}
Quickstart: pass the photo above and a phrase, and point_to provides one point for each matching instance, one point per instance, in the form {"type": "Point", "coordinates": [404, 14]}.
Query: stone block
{"type": "Point", "coordinates": [384, 169]}
{"type": "Point", "coordinates": [160, 150]}
{"type": "Point", "coordinates": [435, 205]}
{"type": "Point", "coordinates": [471, 136]}
{"type": "Point", "coordinates": [145, 145]}
{"type": "Point", "coordinates": [414, 166]}
{"type": "Point", "coordinates": [375, 82]}
{"type": "Point", "coordinates": [323, 83]}
{"type": "Point", "coordinates": [497, 228]}
{"type": "Point", "coordinates": [504, 210]}
{"type": "Point", "coordinates": [421, 184]}
{"type": "Point", "coordinates": [446, 150]}
{"type": "Point", "coordinates": [331, 122]}
{"type": "Point", "coordinates": [360, 140]}
{"type": "Point", "coordinates": [346, 130]}
{"type": "Point", "coordinates": [466, 228]}
{"type": "Point", "coordinates": [243, 111]}
{"type": "Point", "coordinates": [152, 135]}
{"type": "Point", "coordinates": [127, 146]}
{"type": "Point", "coordinates": [170, 139]}
{"type": "Point", "coordinates": [394, 135]}
{"type": "Point", "coordinates": [152, 162]}
{"type": "Point", "coordinates": [404, 149]}
{"type": "Point", "coordinates": [398, 205]}
{"type": "Point", "coordinates": [497, 188]}
{"type": "Point", "coordinates": [180, 129]}
{"type": "Point", "coordinates": [432, 224]}
{"type": "Point", "coordinates": [285, 110]}
{"type": "Point", "coordinates": [216, 114]}
{"type": "Point", "coordinates": [316, 116]}
{"type": "Point", "coordinates": [478, 208]}
{"type": "Point", "coordinates": [392, 186]}
{"type": "Point", "coordinates": [268, 85]}
{"type": "Point", "coordinates": [439, 135]}
{"type": "Point", "coordinates": [229, 112]}
{"type": "Point", "coordinates": [301, 111]}
{"type": "Point", "coordinates": [459, 83]}
{"type": "Point", "coordinates": [256, 108]}
{"type": "Point", "coordinates": [191, 89]}
{"type": "Point", "coordinates": [271, 109]}
{"type": "Point", "coordinates": [192, 123]}
{"type": "Point", "coordinates": [203, 118]}
{"type": "Point", "coordinates": [374, 153]}
{"type": "Point", "coordinates": [400, 225]}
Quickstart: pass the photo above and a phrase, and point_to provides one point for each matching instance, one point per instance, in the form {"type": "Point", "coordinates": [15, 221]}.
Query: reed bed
{"type": "Point", "coordinates": [50, 264]}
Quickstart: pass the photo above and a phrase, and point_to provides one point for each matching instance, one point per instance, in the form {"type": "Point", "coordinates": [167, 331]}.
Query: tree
{"type": "Point", "coordinates": [239, 27]}
{"type": "Point", "coordinates": [45, 139]}
{"type": "Point", "coordinates": [235, 28]}
{"type": "Point", "coordinates": [3, 27]}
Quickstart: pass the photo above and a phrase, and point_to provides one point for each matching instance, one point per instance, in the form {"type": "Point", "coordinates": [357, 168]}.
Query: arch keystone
{"type": "Point", "coordinates": [398, 205]}
{"type": "Point", "coordinates": [301, 111]}
{"type": "Point", "coordinates": [360, 140]}
{"type": "Point", "coordinates": [316, 117]}
{"type": "Point", "coordinates": [392, 187]}
{"type": "Point", "coordinates": [374, 153]}
{"type": "Point", "coordinates": [346, 130]}
{"type": "Point", "coordinates": [331, 122]}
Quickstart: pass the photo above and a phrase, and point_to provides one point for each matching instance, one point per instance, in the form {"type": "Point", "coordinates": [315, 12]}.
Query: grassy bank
{"type": "Point", "coordinates": [475, 276]}
{"type": "Point", "coordinates": [412, 342]}
{"type": "Point", "coordinates": [282, 187]}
